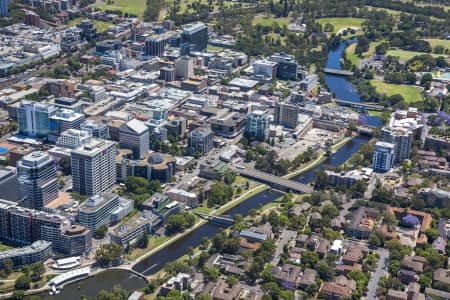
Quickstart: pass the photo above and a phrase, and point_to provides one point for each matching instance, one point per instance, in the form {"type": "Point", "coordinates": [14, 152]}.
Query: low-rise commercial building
{"type": "Point", "coordinates": [39, 251]}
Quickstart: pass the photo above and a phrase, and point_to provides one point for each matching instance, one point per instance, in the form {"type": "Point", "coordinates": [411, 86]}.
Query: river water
{"type": "Point", "coordinates": [340, 86]}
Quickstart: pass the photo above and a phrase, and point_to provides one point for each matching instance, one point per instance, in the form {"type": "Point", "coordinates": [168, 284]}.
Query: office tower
{"type": "Point", "coordinates": [97, 93]}
{"type": "Point", "coordinates": [286, 114]}
{"type": "Point", "coordinates": [76, 240]}
{"type": "Point", "coordinates": [265, 69]}
{"type": "Point", "coordinates": [8, 184]}
{"type": "Point", "coordinates": [201, 140]}
{"type": "Point", "coordinates": [176, 127]}
{"type": "Point", "coordinates": [287, 68]}
{"type": "Point", "coordinates": [154, 46]}
{"type": "Point", "coordinates": [96, 211]}
{"type": "Point", "coordinates": [93, 167]}
{"type": "Point", "coordinates": [34, 118]}
{"type": "Point", "coordinates": [32, 18]}
{"type": "Point", "coordinates": [383, 156]}
{"type": "Point", "coordinates": [134, 135]}
{"type": "Point", "coordinates": [184, 67]}
{"type": "Point", "coordinates": [97, 129]}
{"type": "Point", "coordinates": [38, 184]}
{"type": "Point", "coordinates": [73, 138]}
{"type": "Point", "coordinates": [4, 8]}
{"type": "Point", "coordinates": [88, 30]}
{"type": "Point", "coordinates": [65, 119]}
{"type": "Point", "coordinates": [194, 37]}
{"type": "Point", "coordinates": [167, 74]}
{"type": "Point", "coordinates": [257, 125]}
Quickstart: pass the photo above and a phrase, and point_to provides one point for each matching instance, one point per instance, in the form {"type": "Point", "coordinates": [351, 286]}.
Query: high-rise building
{"type": "Point", "coordinates": [257, 124]}
{"type": "Point", "coordinates": [286, 114]}
{"type": "Point", "coordinates": [34, 118]}
{"type": "Point", "coordinates": [154, 46]}
{"type": "Point", "coordinates": [383, 156]}
{"type": "Point", "coordinates": [76, 240]}
{"type": "Point", "coordinates": [93, 167]}
{"type": "Point", "coordinates": [38, 184]}
{"type": "Point", "coordinates": [4, 12]}
{"type": "Point", "coordinates": [201, 140]}
{"type": "Point", "coordinates": [8, 184]}
{"type": "Point", "coordinates": [167, 74]}
{"type": "Point", "coordinates": [264, 69]}
{"type": "Point", "coordinates": [402, 128]}
{"type": "Point", "coordinates": [287, 68]}
{"type": "Point", "coordinates": [134, 135]}
{"type": "Point", "coordinates": [194, 37]}
{"type": "Point", "coordinates": [32, 18]}
{"type": "Point", "coordinates": [184, 67]}
{"type": "Point", "coordinates": [73, 138]}
{"type": "Point", "coordinates": [88, 30]}
{"type": "Point", "coordinates": [96, 211]}
{"type": "Point", "coordinates": [65, 119]}
{"type": "Point", "coordinates": [97, 129]}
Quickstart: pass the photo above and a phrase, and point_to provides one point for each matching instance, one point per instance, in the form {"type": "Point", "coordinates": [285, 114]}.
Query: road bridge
{"type": "Point", "coordinates": [361, 105]}
{"type": "Point", "coordinates": [275, 181]}
{"type": "Point", "coordinates": [338, 72]}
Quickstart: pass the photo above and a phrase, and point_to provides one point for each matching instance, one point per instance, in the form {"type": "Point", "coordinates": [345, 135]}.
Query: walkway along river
{"type": "Point", "coordinates": [106, 280]}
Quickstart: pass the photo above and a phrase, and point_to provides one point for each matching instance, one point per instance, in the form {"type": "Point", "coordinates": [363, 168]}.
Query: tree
{"type": "Point", "coordinates": [309, 259]}
{"type": "Point", "coordinates": [211, 274]}
{"type": "Point", "coordinates": [321, 181]}
{"type": "Point", "coordinates": [143, 240]}
{"type": "Point", "coordinates": [18, 295]}
{"type": "Point", "coordinates": [38, 270]}
{"type": "Point", "coordinates": [432, 234]}
{"type": "Point", "coordinates": [109, 254]}
{"type": "Point", "coordinates": [100, 233]}
{"type": "Point", "coordinates": [179, 222]}
{"type": "Point", "coordinates": [8, 266]}
{"type": "Point", "coordinates": [66, 165]}
{"type": "Point", "coordinates": [22, 283]}
{"type": "Point", "coordinates": [325, 271]}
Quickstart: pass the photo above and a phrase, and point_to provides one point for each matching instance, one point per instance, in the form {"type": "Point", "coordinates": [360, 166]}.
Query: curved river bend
{"type": "Point", "coordinates": [106, 280]}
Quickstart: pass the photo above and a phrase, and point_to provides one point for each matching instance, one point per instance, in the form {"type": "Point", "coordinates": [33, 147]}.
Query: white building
{"type": "Point", "coordinates": [184, 67]}
{"type": "Point", "coordinates": [93, 167]}
{"type": "Point", "coordinates": [73, 138]}
{"type": "Point", "coordinates": [134, 135]}
{"type": "Point", "coordinates": [265, 69]}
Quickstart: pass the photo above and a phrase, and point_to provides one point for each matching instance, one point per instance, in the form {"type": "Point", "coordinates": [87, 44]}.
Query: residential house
{"type": "Point", "coordinates": [333, 291]}
{"type": "Point", "coordinates": [307, 278]}
{"type": "Point", "coordinates": [289, 276]}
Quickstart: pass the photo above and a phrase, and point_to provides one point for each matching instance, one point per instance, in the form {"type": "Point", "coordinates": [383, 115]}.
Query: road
{"type": "Point", "coordinates": [380, 271]}
{"type": "Point", "coordinates": [285, 237]}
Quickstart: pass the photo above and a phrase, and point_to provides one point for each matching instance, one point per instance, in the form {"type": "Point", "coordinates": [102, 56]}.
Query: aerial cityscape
{"type": "Point", "coordinates": [224, 149]}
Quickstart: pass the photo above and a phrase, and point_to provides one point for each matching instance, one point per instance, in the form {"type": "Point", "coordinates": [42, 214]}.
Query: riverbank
{"type": "Point", "coordinates": [250, 193]}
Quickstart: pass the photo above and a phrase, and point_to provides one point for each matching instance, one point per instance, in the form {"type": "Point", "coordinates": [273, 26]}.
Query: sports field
{"type": "Point", "coordinates": [410, 93]}
{"type": "Point", "coordinates": [341, 23]}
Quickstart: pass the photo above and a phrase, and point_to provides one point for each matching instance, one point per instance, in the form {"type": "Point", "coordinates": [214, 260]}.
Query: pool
{"type": "Point", "coordinates": [3, 150]}
{"type": "Point", "coordinates": [446, 75]}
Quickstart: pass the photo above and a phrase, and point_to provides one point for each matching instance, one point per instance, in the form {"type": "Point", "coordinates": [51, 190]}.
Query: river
{"type": "Point", "coordinates": [342, 88]}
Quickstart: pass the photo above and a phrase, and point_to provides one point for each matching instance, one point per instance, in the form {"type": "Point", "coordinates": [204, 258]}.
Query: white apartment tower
{"type": "Point", "coordinates": [93, 167]}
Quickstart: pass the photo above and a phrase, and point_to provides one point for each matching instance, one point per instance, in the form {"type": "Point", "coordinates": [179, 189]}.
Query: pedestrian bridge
{"type": "Point", "coordinates": [220, 220]}
{"type": "Point", "coordinates": [276, 182]}
{"type": "Point", "coordinates": [361, 105]}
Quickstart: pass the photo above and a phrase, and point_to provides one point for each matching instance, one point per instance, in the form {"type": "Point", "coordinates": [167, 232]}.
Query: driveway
{"type": "Point", "coordinates": [380, 271]}
{"type": "Point", "coordinates": [285, 237]}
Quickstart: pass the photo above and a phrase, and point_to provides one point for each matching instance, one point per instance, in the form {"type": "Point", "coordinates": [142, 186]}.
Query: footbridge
{"type": "Point", "coordinates": [280, 183]}
{"type": "Point", "coordinates": [221, 220]}
{"type": "Point", "coordinates": [338, 72]}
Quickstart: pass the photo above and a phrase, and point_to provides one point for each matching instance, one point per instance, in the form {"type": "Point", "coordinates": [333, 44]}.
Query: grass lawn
{"type": "Point", "coordinates": [136, 7]}
{"type": "Point", "coordinates": [410, 93]}
{"type": "Point", "coordinates": [268, 21]}
{"type": "Point", "coordinates": [153, 243]}
{"type": "Point", "coordinates": [407, 55]}
{"type": "Point", "coordinates": [350, 54]}
{"type": "Point", "coordinates": [4, 247]}
{"type": "Point", "coordinates": [436, 42]}
{"type": "Point", "coordinates": [101, 26]}
{"type": "Point", "coordinates": [375, 113]}
{"type": "Point", "coordinates": [214, 48]}
{"type": "Point", "coordinates": [341, 23]}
